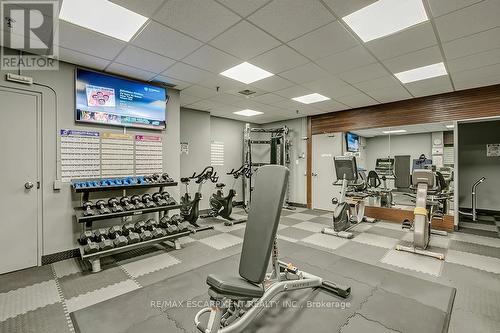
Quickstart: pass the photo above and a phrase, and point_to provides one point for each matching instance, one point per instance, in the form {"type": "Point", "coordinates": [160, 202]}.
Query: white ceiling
{"type": "Point", "coordinates": [410, 129]}
{"type": "Point", "coordinates": [187, 43]}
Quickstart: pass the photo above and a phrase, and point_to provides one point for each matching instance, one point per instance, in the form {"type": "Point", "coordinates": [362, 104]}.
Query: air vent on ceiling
{"type": "Point", "coordinates": [246, 92]}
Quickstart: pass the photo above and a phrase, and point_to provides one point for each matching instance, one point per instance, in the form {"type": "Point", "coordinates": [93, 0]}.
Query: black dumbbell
{"type": "Point", "coordinates": [145, 234]}
{"type": "Point", "coordinates": [101, 207]}
{"type": "Point", "coordinates": [156, 178]}
{"type": "Point", "coordinates": [114, 204]}
{"type": "Point", "coordinates": [87, 208]}
{"type": "Point", "coordinates": [155, 229]}
{"type": "Point", "coordinates": [169, 228]}
{"type": "Point", "coordinates": [136, 201]}
{"type": "Point", "coordinates": [166, 178]}
{"type": "Point", "coordinates": [115, 233]}
{"type": "Point", "coordinates": [129, 231]}
{"type": "Point", "coordinates": [86, 239]}
{"type": "Point", "coordinates": [125, 201]}
{"type": "Point", "coordinates": [177, 220]}
{"type": "Point", "coordinates": [158, 199]}
{"type": "Point", "coordinates": [101, 236]}
{"type": "Point", "coordinates": [148, 201]}
{"type": "Point", "coordinates": [168, 198]}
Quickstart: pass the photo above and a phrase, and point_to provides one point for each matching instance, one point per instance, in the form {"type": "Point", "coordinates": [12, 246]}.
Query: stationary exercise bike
{"type": "Point", "coordinates": [428, 197]}
{"type": "Point", "coordinates": [190, 208]}
{"type": "Point", "coordinates": [348, 214]}
{"type": "Point", "coordinates": [223, 205]}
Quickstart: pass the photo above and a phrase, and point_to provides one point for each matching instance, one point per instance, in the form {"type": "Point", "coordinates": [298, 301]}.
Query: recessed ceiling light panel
{"type": "Point", "coordinates": [422, 73]}
{"type": "Point", "coordinates": [246, 73]}
{"type": "Point", "coordinates": [248, 113]}
{"type": "Point", "coordinates": [385, 17]}
{"type": "Point", "coordinates": [394, 131]}
{"type": "Point", "coordinates": [311, 98]}
{"type": "Point", "coordinates": [102, 16]}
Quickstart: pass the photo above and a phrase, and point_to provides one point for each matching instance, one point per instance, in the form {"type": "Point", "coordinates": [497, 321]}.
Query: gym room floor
{"type": "Point", "coordinates": [66, 297]}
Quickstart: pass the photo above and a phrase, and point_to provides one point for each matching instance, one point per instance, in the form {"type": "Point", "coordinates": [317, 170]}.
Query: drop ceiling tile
{"type": "Point", "coordinates": [201, 105]}
{"type": "Point", "coordinates": [346, 7]}
{"type": "Point", "coordinates": [346, 60]}
{"type": "Point", "coordinates": [165, 41]}
{"type": "Point", "coordinates": [279, 59]}
{"type": "Point", "coordinates": [145, 8]}
{"type": "Point", "coordinates": [131, 72]}
{"type": "Point", "coordinates": [433, 86]}
{"type": "Point", "coordinates": [178, 84]}
{"type": "Point", "coordinates": [381, 82]}
{"type": "Point", "coordinates": [199, 91]}
{"type": "Point", "coordinates": [479, 77]}
{"type": "Point", "coordinates": [211, 59]}
{"type": "Point", "coordinates": [476, 18]}
{"type": "Point", "coordinates": [225, 84]}
{"type": "Point", "coordinates": [415, 59]}
{"type": "Point", "coordinates": [388, 94]}
{"type": "Point", "coordinates": [82, 59]}
{"type": "Point", "coordinates": [289, 104]}
{"type": "Point", "coordinates": [324, 41]}
{"type": "Point", "coordinates": [465, 46]}
{"type": "Point", "coordinates": [243, 7]}
{"type": "Point", "coordinates": [441, 7]}
{"type": "Point", "coordinates": [202, 19]}
{"type": "Point", "coordinates": [249, 103]}
{"type": "Point", "coordinates": [83, 40]}
{"type": "Point", "coordinates": [187, 99]}
{"type": "Point", "coordinates": [268, 98]}
{"type": "Point", "coordinates": [136, 57]}
{"type": "Point", "coordinates": [357, 100]}
{"type": "Point", "coordinates": [288, 19]}
{"type": "Point", "coordinates": [330, 106]}
{"type": "Point", "coordinates": [331, 87]}
{"type": "Point", "coordinates": [365, 73]}
{"type": "Point", "coordinates": [305, 73]}
{"type": "Point", "coordinates": [244, 41]}
{"type": "Point", "coordinates": [272, 83]}
{"type": "Point", "coordinates": [412, 39]}
{"type": "Point", "coordinates": [473, 61]}
{"type": "Point", "coordinates": [187, 73]}
{"type": "Point", "coordinates": [292, 92]}
{"type": "Point", "coordinates": [225, 98]}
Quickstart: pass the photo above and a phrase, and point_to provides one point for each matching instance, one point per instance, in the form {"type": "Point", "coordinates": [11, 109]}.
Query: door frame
{"type": "Point", "coordinates": [39, 155]}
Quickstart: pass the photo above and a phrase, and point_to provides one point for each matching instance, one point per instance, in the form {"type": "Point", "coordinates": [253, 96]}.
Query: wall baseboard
{"type": "Point", "coordinates": [296, 204]}
{"type": "Point", "coordinates": [59, 256]}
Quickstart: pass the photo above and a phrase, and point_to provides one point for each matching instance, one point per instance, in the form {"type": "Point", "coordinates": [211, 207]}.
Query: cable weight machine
{"type": "Point", "coordinates": [279, 153]}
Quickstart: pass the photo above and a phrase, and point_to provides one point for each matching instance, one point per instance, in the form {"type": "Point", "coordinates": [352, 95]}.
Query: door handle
{"type": "Point", "coordinates": [28, 185]}
{"type": "Point", "coordinates": [314, 174]}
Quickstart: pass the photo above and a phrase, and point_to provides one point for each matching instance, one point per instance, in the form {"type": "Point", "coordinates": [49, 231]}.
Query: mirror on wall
{"type": "Point", "coordinates": [388, 156]}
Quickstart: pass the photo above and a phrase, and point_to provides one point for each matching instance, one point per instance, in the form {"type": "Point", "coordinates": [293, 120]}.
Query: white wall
{"type": "Point", "coordinates": [59, 228]}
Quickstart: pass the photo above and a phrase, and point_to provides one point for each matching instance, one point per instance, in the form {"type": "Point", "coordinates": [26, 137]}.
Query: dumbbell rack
{"type": "Point", "coordinates": [87, 221]}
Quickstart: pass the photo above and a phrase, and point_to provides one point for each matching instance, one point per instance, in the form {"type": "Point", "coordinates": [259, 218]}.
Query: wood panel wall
{"type": "Point", "coordinates": [465, 104]}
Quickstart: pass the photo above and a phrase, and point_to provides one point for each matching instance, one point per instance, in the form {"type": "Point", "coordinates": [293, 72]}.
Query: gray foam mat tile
{"type": "Point", "coordinates": [460, 275]}
{"type": "Point", "coordinates": [24, 278]}
{"type": "Point", "coordinates": [475, 248]}
{"type": "Point", "coordinates": [322, 220]}
{"type": "Point", "coordinates": [478, 300]}
{"type": "Point", "coordinates": [295, 233]}
{"type": "Point", "coordinates": [398, 234]}
{"type": "Point", "coordinates": [82, 283]}
{"type": "Point", "coordinates": [315, 212]}
{"type": "Point", "coordinates": [358, 323]}
{"type": "Point", "coordinates": [205, 234]}
{"type": "Point", "coordinates": [49, 319]}
{"type": "Point", "coordinates": [289, 221]}
{"type": "Point", "coordinates": [403, 314]}
{"type": "Point", "coordinates": [239, 232]}
{"type": "Point", "coordinates": [286, 212]}
{"type": "Point", "coordinates": [467, 322]}
{"type": "Point", "coordinates": [362, 252]}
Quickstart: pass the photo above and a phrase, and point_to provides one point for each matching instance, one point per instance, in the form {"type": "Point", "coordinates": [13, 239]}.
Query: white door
{"type": "Point", "coordinates": [19, 172]}
{"type": "Point", "coordinates": [325, 147]}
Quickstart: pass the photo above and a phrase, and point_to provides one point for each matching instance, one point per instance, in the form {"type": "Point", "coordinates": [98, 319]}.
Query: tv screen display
{"type": "Point", "coordinates": [352, 142]}
{"type": "Point", "coordinates": [111, 100]}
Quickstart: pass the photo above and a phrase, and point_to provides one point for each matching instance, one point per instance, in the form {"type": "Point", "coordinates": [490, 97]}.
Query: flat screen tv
{"type": "Point", "coordinates": [352, 141]}
{"type": "Point", "coordinates": [111, 100]}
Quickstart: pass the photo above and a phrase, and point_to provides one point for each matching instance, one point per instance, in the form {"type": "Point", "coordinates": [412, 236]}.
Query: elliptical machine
{"type": "Point", "coordinates": [190, 209]}
{"type": "Point", "coordinates": [223, 205]}
{"type": "Point", "coordinates": [346, 215]}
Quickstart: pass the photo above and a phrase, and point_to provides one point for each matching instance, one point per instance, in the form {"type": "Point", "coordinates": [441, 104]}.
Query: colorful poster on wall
{"type": "Point", "coordinates": [117, 155]}
{"type": "Point", "coordinates": [80, 154]}
{"type": "Point", "coordinates": [148, 154]}
{"type": "Point", "coordinates": [493, 150]}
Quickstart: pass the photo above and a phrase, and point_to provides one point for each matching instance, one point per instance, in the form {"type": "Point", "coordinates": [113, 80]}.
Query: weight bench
{"type": "Point", "coordinates": [230, 309]}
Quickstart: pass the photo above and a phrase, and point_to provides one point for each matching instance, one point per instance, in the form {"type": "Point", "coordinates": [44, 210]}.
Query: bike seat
{"type": "Point", "coordinates": [234, 286]}
{"type": "Point", "coordinates": [184, 180]}
{"type": "Point", "coordinates": [220, 185]}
